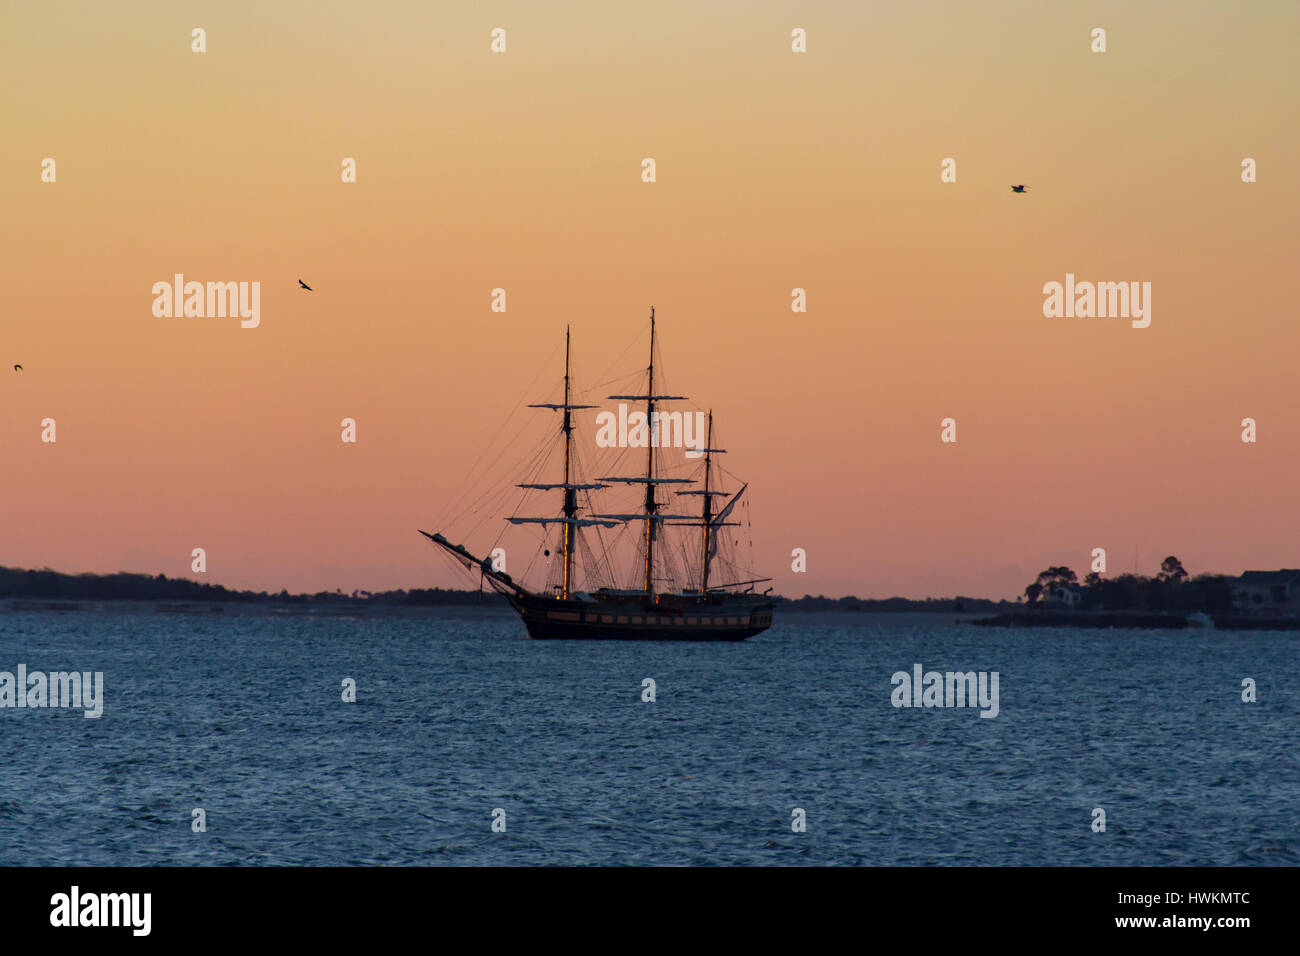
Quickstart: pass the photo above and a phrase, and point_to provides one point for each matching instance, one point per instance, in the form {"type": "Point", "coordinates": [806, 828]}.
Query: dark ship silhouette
{"type": "Point", "coordinates": [696, 609]}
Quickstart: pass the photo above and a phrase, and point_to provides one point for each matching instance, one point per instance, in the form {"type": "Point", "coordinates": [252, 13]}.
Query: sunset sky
{"type": "Point", "coordinates": [775, 170]}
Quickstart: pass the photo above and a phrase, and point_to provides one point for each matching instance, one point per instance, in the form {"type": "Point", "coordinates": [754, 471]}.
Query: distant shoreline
{"type": "Point", "coordinates": [47, 590]}
{"type": "Point", "coordinates": [56, 587]}
{"type": "Point", "coordinates": [248, 608]}
{"type": "Point", "coordinates": [487, 608]}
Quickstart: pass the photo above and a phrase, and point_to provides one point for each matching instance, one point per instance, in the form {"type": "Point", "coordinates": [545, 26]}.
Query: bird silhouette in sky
{"type": "Point", "coordinates": [1019, 189]}
{"type": "Point", "coordinates": [18, 368]}
{"type": "Point", "coordinates": [304, 285]}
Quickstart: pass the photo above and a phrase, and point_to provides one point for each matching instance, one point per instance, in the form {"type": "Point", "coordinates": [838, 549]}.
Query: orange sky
{"type": "Point", "coordinates": [775, 170]}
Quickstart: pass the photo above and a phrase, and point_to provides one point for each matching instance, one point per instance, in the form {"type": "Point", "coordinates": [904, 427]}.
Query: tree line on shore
{"type": "Point", "coordinates": [1172, 589]}
{"type": "Point", "coordinates": [124, 586]}
{"type": "Point", "coordinates": [957, 605]}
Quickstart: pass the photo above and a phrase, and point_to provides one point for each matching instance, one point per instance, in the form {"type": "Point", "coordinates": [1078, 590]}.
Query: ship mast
{"type": "Point", "coordinates": [707, 517]}
{"type": "Point", "coordinates": [650, 513]}
{"type": "Point", "coordinates": [570, 518]}
{"type": "Point", "coordinates": [570, 493]}
{"type": "Point", "coordinates": [650, 503]}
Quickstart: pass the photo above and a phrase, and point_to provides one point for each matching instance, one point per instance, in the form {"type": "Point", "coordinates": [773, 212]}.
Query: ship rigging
{"type": "Point", "coordinates": [664, 604]}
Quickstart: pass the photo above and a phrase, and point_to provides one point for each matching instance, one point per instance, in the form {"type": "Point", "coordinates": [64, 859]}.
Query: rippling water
{"type": "Point", "coordinates": [457, 714]}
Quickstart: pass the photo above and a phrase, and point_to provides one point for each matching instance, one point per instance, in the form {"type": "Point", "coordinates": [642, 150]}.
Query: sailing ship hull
{"type": "Point", "coordinates": [622, 620]}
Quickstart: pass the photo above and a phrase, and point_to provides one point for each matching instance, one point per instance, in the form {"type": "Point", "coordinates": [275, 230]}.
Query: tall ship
{"type": "Point", "coordinates": [687, 578]}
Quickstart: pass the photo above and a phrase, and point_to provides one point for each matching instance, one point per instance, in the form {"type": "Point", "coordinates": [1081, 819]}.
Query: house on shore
{"type": "Point", "coordinates": [1273, 593]}
{"type": "Point", "coordinates": [1067, 596]}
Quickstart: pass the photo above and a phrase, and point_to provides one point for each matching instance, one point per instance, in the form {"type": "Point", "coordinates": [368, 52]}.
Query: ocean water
{"type": "Point", "coordinates": [458, 714]}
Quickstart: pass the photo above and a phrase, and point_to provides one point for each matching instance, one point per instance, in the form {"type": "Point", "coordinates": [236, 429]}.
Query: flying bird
{"type": "Point", "coordinates": [1019, 189]}
{"type": "Point", "coordinates": [304, 285]}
